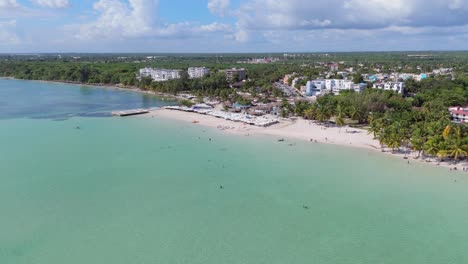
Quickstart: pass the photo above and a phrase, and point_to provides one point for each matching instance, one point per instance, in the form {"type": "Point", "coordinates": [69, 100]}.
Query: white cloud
{"type": "Point", "coordinates": [407, 15]}
{"type": "Point", "coordinates": [266, 25]}
{"type": "Point", "coordinates": [52, 3]}
{"type": "Point", "coordinates": [350, 14]}
{"type": "Point", "coordinates": [8, 4]}
{"type": "Point", "coordinates": [139, 19]}
{"type": "Point", "coordinates": [218, 7]}
{"type": "Point", "coordinates": [213, 27]}
{"type": "Point", "coordinates": [187, 29]}
{"type": "Point", "coordinates": [122, 20]}
{"type": "Point", "coordinates": [241, 35]}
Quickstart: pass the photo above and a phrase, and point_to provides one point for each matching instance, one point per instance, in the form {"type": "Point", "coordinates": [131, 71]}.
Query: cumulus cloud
{"type": "Point", "coordinates": [218, 7]}
{"type": "Point", "coordinates": [52, 3]}
{"type": "Point", "coordinates": [139, 19]}
{"type": "Point", "coordinates": [351, 14]}
{"type": "Point", "coordinates": [267, 25]}
{"type": "Point", "coordinates": [119, 19]}
{"type": "Point", "coordinates": [279, 15]}
{"type": "Point", "coordinates": [187, 29]}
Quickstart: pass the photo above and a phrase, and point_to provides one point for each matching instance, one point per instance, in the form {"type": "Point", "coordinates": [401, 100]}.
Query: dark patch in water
{"type": "Point", "coordinates": [95, 115]}
{"type": "Point", "coordinates": [52, 117]}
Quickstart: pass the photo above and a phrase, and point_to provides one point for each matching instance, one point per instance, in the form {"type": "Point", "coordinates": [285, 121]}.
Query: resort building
{"type": "Point", "coordinates": [338, 85]}
{"type": "Point", "coordinates": [198, 72]}
{"type": "Point", "coordinates": [318, 87]}
{"type": "Point", "coordinates": [160, 75]}
{"type": "Point", "coordinates": [314, 88]}
{"type": "Point", "coordinates": [397, 87]}
{"type": "Point", "coordinates": [459, 114]}
{"type": "Point", "coordinates": [234, 74]}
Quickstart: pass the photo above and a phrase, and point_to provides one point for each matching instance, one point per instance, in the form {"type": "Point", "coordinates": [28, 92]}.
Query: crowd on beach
{"type": "Point", "coordinates": [260, 121]}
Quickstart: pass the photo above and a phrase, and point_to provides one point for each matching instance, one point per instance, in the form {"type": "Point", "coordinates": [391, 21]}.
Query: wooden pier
{"type": "Point", "coordinates": [130, 112]}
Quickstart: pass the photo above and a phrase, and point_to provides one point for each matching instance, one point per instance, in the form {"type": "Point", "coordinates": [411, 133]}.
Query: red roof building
{"type": "Point", "coordinates": [459, 114]}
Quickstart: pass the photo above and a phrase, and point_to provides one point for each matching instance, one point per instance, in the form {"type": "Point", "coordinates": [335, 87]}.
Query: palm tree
{"type": "Point", "coordinates": [431, 147]}
{"type": "Point", "coordinates": [311, 112]}
{"type": "Point", "coordinates": [339, 122]}
{"type": "Point", "coordinates": [371, 117]}
{"type": "Point", "coordinates": [455, 146]}
{"type": "Point", "coordinates": [355, 113]}
{"type": "Point", "coordinates": [322, 114]}
{"type": "Point", "coordinates": [394, 142]}
{"type": "Point", "coordinates": [339, 118]}
{"type": "Point", "coordinates": [447, 131]}
{"type": "Point", "coordinates": [456, 150]}
{"type": "Point", "coordinates": [442, 154]}
{"type": "Point", "coordinates": [285, 108]}
{"type": "Point", "coordinates": [376, 125]}
{"type": "Point", "coordinates": [417, 141]}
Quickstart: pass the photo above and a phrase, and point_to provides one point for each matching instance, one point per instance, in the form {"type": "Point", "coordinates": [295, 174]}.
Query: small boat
{"type": "Point", "coordinates": [281, 140]}
{"type": "Point", "coordinates": [195, 122]}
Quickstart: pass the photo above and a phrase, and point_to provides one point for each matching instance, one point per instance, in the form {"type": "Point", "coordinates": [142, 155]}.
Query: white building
{"type": "Point", "coordinates": [317, 87]}
{"type": "Point", "coordinates": [338, 85]}
{"type": "Point", "coordinates": [459, 114]}
{"type": "Point", "coordinates": [160, 75]}
{"type": "Point", "coordinates": [198, 72]}
{"type": "Point", "coordinates": [397, 87]}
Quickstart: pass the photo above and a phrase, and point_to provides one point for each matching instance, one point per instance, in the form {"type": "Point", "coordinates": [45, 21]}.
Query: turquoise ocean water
{"type": "Point", "coordinates": [147, 190]}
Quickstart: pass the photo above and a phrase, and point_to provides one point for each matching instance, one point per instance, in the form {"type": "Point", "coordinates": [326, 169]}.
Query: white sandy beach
{"type": "Point", "coordinates": [297, 129]}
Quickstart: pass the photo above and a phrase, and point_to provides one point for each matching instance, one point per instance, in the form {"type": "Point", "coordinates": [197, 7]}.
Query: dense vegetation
{"type": "Point", "coordinates": [417, 120]}
{"type": "Point", "coordinates": [422, 125]}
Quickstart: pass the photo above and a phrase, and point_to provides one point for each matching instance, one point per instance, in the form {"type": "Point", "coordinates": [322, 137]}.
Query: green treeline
{"type": "Point", "coordinates": [417, 120]}
{"type": "Point", "coordinates": [97, 73]}
{"type": "Point", "coordinates": [420, 123]}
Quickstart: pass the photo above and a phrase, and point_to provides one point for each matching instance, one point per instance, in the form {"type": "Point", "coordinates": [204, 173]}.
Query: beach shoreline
{"type": "Point", "coordinates": [303, 130]}
{"type": "Point", "coordinates": [298, 129]}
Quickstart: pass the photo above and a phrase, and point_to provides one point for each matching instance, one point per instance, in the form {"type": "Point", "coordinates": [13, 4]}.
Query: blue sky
{"type": "Point", "coordinates": [232, 25]}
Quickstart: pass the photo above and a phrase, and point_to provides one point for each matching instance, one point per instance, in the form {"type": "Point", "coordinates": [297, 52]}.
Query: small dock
{"type": "Point", "coordinates": [130, 112]}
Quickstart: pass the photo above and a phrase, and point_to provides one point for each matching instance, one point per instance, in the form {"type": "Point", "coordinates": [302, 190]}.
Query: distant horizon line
{"type": "Point", "coordinates": [215, 53]}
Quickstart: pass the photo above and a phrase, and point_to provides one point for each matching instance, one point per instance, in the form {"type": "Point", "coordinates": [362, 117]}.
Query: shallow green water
{"type": "Point", "coordinates": [144, 190]}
